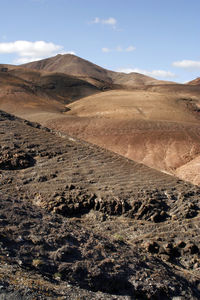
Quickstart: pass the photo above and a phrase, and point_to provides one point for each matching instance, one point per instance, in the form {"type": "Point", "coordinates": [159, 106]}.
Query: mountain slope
{"type": "Point", "coordinates": [160, 130]}
{"type": "Point", "coordinates": [195, 81]}
{"type": "Point", "coordinates": [30, 91]}
{"type": "Point", "coordinates": [71, 64]}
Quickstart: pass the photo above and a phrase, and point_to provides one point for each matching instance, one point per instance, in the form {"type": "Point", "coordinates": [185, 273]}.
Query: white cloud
{"type": "Point", "coordinates": [25, 48]}
{"type": "Point", "coordinates": [24, 60]}
{"type": "Point", "coordinates": [106, 50]}
{"type": "Point", "coordinates": [130, 49]}
{"type": "Point", "coordinates": [110, 21]}
{"type": "Point", "coordinates": [187, 64]}
{"type": "Point", "coordinates": [162, 73]}
{"type": "Point", "coordinates": [118, 49]}
{"type": "Point", "coordinates": [30, 51]}
{"type": "Point", "coordinates": [154, 73]}
{"type": "Point", "coordinates": [96, 21]}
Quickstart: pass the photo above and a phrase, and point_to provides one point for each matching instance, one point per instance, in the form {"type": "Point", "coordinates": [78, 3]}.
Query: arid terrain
{"type": "Point", "coordinates": [150, 121]}
{"type": "Point", "coordinates": [76, 216]}
{"type": "Point", "coordinates": [99, 183]}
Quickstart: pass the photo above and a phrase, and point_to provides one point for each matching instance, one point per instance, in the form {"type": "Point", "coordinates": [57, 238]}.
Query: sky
{"type": "Point", "coordinates": [159, 38]}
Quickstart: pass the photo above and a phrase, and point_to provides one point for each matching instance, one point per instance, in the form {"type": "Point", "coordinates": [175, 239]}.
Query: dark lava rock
{"type": "Point", "coordinates": [172, 251]}
{"type": "Point", "coordinates": [192, 248]}
{"type": "Point", "coordinates": [152, 247]}
{"type": "Point", "coordinates": [16, 161]}
{"type": "Point", "coordinates": [192, 211]}
{"type": "Point", "coordinates": [181, 244]}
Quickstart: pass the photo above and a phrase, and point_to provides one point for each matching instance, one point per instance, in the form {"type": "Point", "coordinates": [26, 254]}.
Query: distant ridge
{"type": "Point", "coordinates": [195, 81]}
{"type": "Point", "coordinates": [74, 65]}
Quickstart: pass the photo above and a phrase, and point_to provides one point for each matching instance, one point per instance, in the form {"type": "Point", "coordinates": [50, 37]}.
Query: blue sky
{"type": "Point", "coordinates": [160, 38]}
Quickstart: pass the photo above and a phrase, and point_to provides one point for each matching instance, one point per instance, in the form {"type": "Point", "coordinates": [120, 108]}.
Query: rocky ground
{"type": "Point", "coordinates": [80, 222]}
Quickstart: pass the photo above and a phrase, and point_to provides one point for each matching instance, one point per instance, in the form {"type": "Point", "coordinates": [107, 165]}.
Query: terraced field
{"type": "Point", "coordinates": [95, 224]}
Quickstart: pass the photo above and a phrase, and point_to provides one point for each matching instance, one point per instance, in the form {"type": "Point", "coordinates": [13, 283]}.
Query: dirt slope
{"type": "Point", "coordinates": [79, 221]}
{"type": "Point", "coordinates": [20, 96]}
{"type": "Point", "coordinates": [158, 129]}
{"type": "Point", "coordinates": [25, 91]}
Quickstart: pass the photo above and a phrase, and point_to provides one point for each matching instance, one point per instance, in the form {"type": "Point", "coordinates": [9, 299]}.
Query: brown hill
{"type": "Point", "coordinates": [195, 81]}
{"type": "Point", "coordinates": [70, 64]}
{"type": "Point", "coordinates": [160, 130]}
{"type": "Point", "coordinates": [20, 96]}
{"type": "Point", "coordinates": [74, 65]}
{"type": "Point", "coordinates": [30, 91]}
{"type": "Point", "coordinates": [79, 221]}
{"type": "Point", "coordinates": [148, 121]}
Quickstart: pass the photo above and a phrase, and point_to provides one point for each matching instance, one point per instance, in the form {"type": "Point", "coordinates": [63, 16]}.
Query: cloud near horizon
{"type": "Point", "coordinates": [154, 73]}
{"type": "Point", "coordinates": [27, 51]}
{"type": "Point", "coordinates": [119, 49]}
{"type": "Point", "coordinates": [187, 64]}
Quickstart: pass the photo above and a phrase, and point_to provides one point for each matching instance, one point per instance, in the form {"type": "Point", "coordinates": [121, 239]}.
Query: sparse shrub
{"type": "Point", "coordinates": [119, 238]}
{"type": "Point", "coordinates": [57, 276]}
{"type": "Point", "coordinates": [37, 263]}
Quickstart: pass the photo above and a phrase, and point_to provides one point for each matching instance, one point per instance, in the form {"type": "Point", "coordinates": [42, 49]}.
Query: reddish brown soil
{"type": "Point", "coordinates": [22, 89]}
{"type": "Point", "coordinates": [157, 129]}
